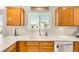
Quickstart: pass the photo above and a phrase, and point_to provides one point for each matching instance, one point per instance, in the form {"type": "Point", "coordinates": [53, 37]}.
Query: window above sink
{"type": "Point", "coordinates": [39, 20]}
{"type": "Point", "coordinates": [1, 23]}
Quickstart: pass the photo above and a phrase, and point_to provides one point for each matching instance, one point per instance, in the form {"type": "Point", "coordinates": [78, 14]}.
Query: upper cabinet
{"type": "Point", "coordinates": [64, 16]}
{"type": "Point", "coordinates": [76, 16]}
{"type": "Point", "coordinates": [15, 16]}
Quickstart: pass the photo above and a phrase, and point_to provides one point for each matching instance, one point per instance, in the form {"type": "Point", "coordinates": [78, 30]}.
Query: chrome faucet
{"type": "Point", "coordinates": [46, 34]}
{"type": "Point", "coordinates": [15, 33]}
{"type": "Point", "coordinates": [39, 32]}
{"type": "Point", "coordinates": [39, 26]}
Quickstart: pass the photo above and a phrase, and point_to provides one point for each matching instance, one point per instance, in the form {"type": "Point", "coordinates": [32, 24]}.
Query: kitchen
{"type": "Point", "coordinates": [40, 29]}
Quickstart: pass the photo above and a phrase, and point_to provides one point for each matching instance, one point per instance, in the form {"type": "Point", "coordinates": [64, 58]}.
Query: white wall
{"type": "Point", "coordinates": [9, 30]}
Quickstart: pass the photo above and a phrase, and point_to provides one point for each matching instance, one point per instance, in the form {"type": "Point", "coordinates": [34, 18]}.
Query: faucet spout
{"type": "Point", "coordinates": [46, 34]}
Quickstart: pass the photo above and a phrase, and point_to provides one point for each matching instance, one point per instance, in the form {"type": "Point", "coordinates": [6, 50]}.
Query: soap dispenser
{"type": "Point", "coordinates": [46, 34]}
{"type": "Point", "coordinates": [15, 33]}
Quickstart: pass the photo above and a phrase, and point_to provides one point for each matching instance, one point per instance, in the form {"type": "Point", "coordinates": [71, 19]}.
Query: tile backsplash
{"type": "Point", "coordinates": [53, 31]}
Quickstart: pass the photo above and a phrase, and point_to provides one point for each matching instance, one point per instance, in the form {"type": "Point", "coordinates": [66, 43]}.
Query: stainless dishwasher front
{"type": "Point", "coordinates": [63, 46]}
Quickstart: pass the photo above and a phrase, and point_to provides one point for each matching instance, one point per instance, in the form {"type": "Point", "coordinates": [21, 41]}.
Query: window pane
{"type": "Point", "coordinates": [40, 19]}
{"type": "Point", "coordinates": [33, 20]}
{"type": "Point", "coordinates": [1, 20]}
{"type": "Point", "coordinates": [45, 18]}
{"type": "Point", "coordinates": [1, 23]}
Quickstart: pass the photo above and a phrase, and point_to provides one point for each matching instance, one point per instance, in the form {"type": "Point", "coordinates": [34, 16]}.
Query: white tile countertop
{"type": "Point", "coordinates": [9, 40]}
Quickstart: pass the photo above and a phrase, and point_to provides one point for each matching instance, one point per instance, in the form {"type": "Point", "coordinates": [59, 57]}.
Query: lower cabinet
{"type": "Point", "coordinates": [12, 48]}
{"type": "Point", "coordinates": [21, 46]}
{"type": "Point", "coordinates": [76, 46]}
{"type": "Point", "coordinates": [47, 46]}
{"type": "Point", "coordinates": [31, 46]}
{"type": "Point", "coordinates": [35, 46]}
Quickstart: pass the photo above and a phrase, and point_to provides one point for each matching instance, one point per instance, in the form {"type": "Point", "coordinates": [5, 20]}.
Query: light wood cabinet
{"type": "Point", "coordinates": [46, 46]}
{"type": "Point", "coordinates": [15, 16]}
{"type": "Point", "coordinates": [40, 46]}
{"type": "Point", "coordinates": [32, 43]}
{"type": "Point", "coordinates": [33, 49]}
{"type": "Point", "coordinates": [12, 48]}
{"type": "Point", "coordinates": [27, 46]}
{"type": "Point", "coordinates": [46, 43]}
{"type": "Point", "coordinates": [21, 46]}
{"type": "Point", "coordinates": [32, 46]}
{"type": "Point", "coordinates": [64, 16]}
{"type": "Point", "coordinates": [46, 49]}
{"type": "Point", "coordinates": [76, 16]}
{"type": "Point", "coordinates": [76, 46]}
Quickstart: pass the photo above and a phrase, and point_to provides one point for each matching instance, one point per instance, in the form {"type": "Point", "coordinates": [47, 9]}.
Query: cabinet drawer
{"type": "Point", "coordinates": [21, 43]}
{"type": "Point", "coordinates": [46, 49]}
{"type": "Point", "coordinates": [32, 43]}
{"type": "Point", "coordinates": [47, 43]}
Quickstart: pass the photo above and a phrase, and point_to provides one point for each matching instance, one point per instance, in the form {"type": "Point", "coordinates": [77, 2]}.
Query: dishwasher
{"type": "Point", "coordinates": [63, 46]}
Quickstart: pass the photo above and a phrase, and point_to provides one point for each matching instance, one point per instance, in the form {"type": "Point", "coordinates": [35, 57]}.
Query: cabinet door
{"type": "Point", "coordinates": [76, 46]}
{"type": "Point", "coordinates": [46, 43]}
{"type": "Point", "coordinates": [47, 46]}
{"type": "Point", "coordinates": [64, 16]}
{"type": "Point", "coordinates": [22, 16]}
{"type": "Point", "coordinates": [14, 16]}
{"type": "Point", "coordinates": [21, 46]}
{"type": "Point", "coordinates": [76, 16]}
{"type": "Point", "coordinates": [32, 46]}
{"type": "Point", "coordinates": [32, 43]}
{"type": "Point", "coordinates": [12, 48]}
